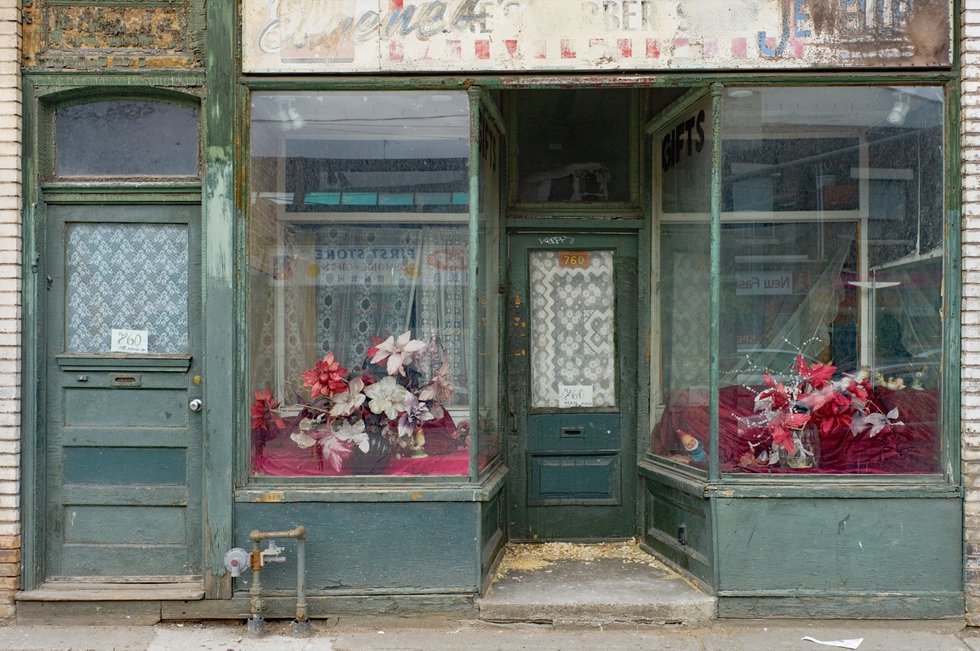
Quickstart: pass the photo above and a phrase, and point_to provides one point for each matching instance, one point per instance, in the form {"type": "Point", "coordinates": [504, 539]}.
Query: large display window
{"type": "Point", "coordinates": [831, 270]}
{"type": "Point", "coordinates": [360, 315]}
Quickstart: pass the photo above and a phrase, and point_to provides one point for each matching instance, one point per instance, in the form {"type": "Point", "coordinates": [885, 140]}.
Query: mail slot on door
{"type": "Point", "coordinates": [126, 380]}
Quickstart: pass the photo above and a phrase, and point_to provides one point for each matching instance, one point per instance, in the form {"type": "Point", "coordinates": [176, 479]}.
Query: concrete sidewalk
{"type": "Point", "coordinates": [428, 633]}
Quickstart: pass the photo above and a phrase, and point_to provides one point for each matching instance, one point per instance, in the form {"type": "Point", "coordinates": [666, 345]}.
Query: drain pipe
{"type": "Point", "coordinates": [256, 623]}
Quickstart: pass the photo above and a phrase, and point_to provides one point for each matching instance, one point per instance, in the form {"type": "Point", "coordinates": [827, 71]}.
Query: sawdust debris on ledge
{"type": "Point", "coordinates": [537, 556]}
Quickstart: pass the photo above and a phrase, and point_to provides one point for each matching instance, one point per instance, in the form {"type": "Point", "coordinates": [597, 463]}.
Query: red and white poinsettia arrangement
{"type": "Point", "coordinates": [385, 404]}
{"type": "Point", "coordinates": [813, 399]}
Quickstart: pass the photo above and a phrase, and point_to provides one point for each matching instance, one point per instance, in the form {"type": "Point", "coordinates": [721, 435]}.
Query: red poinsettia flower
{"type": "Point", "coordinates": [835, 412]}
{"type": "Point", "coordinates": [326, 378]}
{"type": "Point", "coordinates": [780, 427]}
{"type": "Point", "coordinates": [263, 410]}
{"type": "Point", "coordinates": [776, 393]}
{"type": "Point", "coordinates": [817, 375]}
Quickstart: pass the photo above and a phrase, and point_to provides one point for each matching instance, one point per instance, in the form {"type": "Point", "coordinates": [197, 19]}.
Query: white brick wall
{"type": "Point", "coordinates": [971, 301]}
{"type": "Point", "coordinates": [10, 302]}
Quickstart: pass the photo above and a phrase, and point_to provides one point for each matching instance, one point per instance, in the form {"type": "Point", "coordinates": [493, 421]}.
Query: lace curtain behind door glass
{"type": "Point", "coordinates": [126, 276]}
{"type": "Point", "coordinates": [572, 326]}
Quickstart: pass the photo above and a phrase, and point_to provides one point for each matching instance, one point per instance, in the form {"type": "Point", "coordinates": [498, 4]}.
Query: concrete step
{"type": "Point", "coordinates": [567, 589]}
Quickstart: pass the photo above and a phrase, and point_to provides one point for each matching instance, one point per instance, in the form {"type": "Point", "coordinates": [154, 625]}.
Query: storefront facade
{"type": "Point", "coordinates": [426, 278]}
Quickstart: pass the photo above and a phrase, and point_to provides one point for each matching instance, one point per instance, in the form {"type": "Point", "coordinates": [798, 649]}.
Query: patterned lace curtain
{"type": "Point", "coordinates": [352, 282]}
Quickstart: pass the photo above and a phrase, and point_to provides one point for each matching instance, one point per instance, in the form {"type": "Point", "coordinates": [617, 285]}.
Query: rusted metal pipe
{"type": "Point", "coordinates": [256, 623]}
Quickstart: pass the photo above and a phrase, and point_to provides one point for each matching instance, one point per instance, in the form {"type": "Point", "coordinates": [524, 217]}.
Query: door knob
{"type": "Point", "coordinates": [195, 404]}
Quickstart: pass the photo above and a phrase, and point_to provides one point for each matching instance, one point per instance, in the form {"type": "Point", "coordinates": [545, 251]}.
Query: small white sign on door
{"type": "Point", "coordinates": [129, 341]}
{"type": "Point", "coordinates": [574, 395]}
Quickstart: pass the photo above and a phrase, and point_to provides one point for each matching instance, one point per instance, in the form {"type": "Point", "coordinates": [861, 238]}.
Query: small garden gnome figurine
{"type": "Point", "coordinates": [692, 446]}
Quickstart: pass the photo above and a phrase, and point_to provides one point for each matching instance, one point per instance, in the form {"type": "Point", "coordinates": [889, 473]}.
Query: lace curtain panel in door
{"type": "Point", "coordinates": [128, 276]}
{"type": "Point", "coordinates": [572, 326]}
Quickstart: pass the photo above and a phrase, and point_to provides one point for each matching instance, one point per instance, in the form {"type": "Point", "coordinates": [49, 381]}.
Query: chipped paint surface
{"type": "Point", "coordinates": [113, 35]}
{"type": "Point", "coordinates": [538, 35]}
{"type": "Point", "coordinates": [272, 497]}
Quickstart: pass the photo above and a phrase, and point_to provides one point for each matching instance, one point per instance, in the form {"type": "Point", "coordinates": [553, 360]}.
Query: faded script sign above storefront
{"type": "Point", "coordinates": [337, 36]}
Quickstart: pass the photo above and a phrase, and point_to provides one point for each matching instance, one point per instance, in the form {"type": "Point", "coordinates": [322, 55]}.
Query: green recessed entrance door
{"type": "Point", "coordinates": [571, 376]}
{"type": "Point", "coordinates": [122, 422]}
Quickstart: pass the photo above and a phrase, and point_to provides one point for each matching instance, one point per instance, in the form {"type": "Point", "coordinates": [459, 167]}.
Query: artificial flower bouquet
{"type": "Point", "coordinates": [355, 421]}
{"type": "Point", "coordinates": [791, 416]}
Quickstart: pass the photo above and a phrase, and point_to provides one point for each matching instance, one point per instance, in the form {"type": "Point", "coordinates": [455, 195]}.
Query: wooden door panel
{"type": "Point", "coordinates": [572, 463]}
{"type": "Point", "coordinates": [123, 450]}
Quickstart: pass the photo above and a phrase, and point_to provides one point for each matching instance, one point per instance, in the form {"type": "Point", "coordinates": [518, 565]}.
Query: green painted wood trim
{"type": "Point", "coordinates": [807, 486]}
{"type": "Point", "coordinates": [635, 152]}
{"type": "Point", "coordinates": [838, 487]}
{"type": "Point", "coordinates": [674, 110]}
{"type": "Point", "coordinates": [173, 363]}
{"type": "Point", "coordinates": [579, 223]}
{"type": "Point", "coordinates": [32, 478]}
{"type": "Point", "coordinates": [218, 289]}
{"type": "Point", "coordinates": [675, 476]}
{"type": "Point", "coordinates": [126, 495]}
{"type": "Point", "coordinates": [380, 489]}
{"type": "Point", "coordinates": [53, 81]}
{"type": "Point", "coordinates": [644, 326]}
{"type": "Point", "coordinates": [381, 495]}
{"type": "Point", "coordinates": [142, 193]}
{"type": "Point", "coordinates": [321, 606]}
{"type": "Point", "coordinates": [956, 29]}
{"type": "Point", "coordinates": [493, 113]}
{"type": "Point", "coordinates": [715, 261]}
{"type": "Point", "coordinates": [715, 326]}
{"type": "Point", "coordinates": [930, 605]}
{"type": "Point", "coordinates": [51, 98]}
{"type": "Point", "coordinates": [241, 459]}
{"type": "Point", "coordinates": [473, 301]}
{"type": "Point", "coordinates": [952, 291]}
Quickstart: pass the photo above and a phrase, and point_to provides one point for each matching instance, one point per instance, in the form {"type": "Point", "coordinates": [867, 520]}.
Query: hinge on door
{"type": "Point", "coordinates": [50, 281]}
{"type": "Point", "coordinates": [34, 264]}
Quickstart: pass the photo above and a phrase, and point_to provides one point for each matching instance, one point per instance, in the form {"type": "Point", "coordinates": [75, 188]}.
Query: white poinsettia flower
{"type": "Point", "coordinates": [398, 352]}
{"type": "Point", "coordinates": [387, 397]}
{"type": "Point", "coordinates": [353, 433]}
{"type": "Point", "coordinates": [345, 403]}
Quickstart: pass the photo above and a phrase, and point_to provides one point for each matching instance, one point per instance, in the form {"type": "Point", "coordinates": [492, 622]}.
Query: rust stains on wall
{"type": "Point", "coordinates": [63, 35]}
{"type": "Point", "coordinates": [928, 30]}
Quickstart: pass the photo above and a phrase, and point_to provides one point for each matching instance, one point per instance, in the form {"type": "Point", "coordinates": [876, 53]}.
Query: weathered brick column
{"type": "Point", "coordinates": [971, 301]}
{"type": "Point", "coordinates": [10, 302]}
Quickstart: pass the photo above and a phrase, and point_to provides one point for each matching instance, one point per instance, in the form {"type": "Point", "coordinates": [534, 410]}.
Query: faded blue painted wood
{"type": "Point", "coordinates": [224, 415]}
{"type": "Point", "coordinates": [573, 472]}
{"type": "Point", "coordinates": [677, 526]}
{"type": "Point", "coordinates": [120, 429]}
{"type": "Point", "coordinates": [371, 548]}
{"type": "Point", "coordinates": [840, 545]}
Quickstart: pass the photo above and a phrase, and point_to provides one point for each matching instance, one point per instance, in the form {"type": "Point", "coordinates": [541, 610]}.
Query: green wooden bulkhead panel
{"type": "Point", "coordinates": [123, 449]}
{"type": "Point", "coordinates": [392, 547]}
{"type": "Point", "coordinates": [774, 552]}
{"type": "Point", "coordinates": [677, 525]}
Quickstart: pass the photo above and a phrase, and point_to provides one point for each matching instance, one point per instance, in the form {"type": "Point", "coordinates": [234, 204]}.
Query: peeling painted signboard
{"type": "Point", "coordinates": [339, 36]}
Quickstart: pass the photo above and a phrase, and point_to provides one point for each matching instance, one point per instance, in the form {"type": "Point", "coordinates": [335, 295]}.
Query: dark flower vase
{"type": "Point", "coordinates": [375, 460]}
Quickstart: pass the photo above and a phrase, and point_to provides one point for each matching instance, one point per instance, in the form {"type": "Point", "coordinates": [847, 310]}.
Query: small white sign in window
{"type": "Point", "coordinates": [129, 341]}
{"type": "Point", "coordinates": [574, 395]}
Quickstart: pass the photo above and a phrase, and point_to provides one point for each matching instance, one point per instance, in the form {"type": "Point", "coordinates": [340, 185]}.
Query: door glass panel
{"type": "Point", "coordinates": [573, 350]}
{"type": "Point", "coordinates": [126, 277]}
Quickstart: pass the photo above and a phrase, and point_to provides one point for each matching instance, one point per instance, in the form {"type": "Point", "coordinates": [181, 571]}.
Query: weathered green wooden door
{"type": "Point", "coordinates": [122, 421]}
{"type": "Point", "coordinates": [571, 376]}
